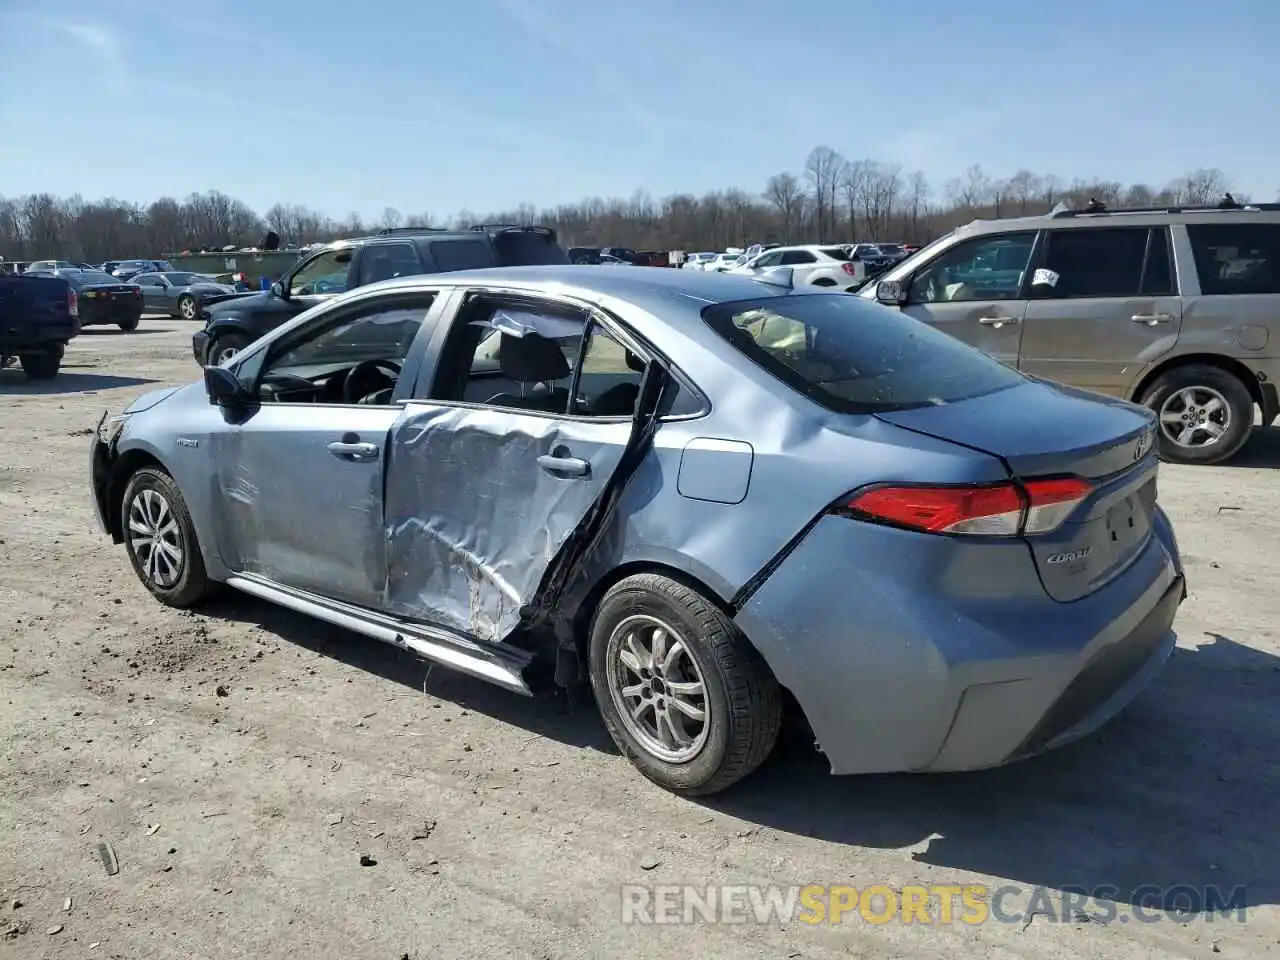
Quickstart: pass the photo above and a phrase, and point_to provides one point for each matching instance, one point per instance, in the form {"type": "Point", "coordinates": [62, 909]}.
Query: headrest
{"type": "Point", "coordinates": [531, 359]}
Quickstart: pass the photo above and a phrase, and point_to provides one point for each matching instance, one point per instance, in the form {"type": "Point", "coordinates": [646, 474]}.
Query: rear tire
{"type": "Point", "coordinates": [222, 348]}
{"type": "Point", "coordinates": [187, 307]}
{"type": "Point", "coordinates": [1210, 396]}
{"type": "Point", "coordinates": [824, 282]}
{"type": "Point", "coordinates": [42, 366]}
{"type": "Point", "coordinates": [740, 701]}
{"type": "Point", "coordinates": [161, 540]}
{"type": "Point", "coordinates": [130, 325]}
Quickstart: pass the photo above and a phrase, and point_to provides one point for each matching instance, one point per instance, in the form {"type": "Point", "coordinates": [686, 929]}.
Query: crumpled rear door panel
{"type": "Point", "coordinates": [472, 521]}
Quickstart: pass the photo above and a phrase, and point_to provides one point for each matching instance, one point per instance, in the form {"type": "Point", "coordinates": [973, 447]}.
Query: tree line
{"type": "Point", "coordinates": [831, 199]}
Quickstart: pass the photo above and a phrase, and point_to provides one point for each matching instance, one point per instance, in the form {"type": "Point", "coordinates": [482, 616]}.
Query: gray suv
{"type": "Point", "coordinates": [1172, 307]}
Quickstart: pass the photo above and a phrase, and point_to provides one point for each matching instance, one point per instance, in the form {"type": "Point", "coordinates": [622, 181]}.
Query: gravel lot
{"type": "Point", "coordinates": [242, 760]}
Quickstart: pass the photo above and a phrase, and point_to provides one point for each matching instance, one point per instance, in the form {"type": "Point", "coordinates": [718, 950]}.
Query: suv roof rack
{"type": "Point", "coordinates": [1096, 207]}
{"type": "Point", "coordinates": [399, 231]}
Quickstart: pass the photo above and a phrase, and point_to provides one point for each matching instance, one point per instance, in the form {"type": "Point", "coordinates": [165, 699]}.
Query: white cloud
{"type": "Point", "coordinates": [101, 44]}
{"type": "Point", "coordinates": [541, 28]}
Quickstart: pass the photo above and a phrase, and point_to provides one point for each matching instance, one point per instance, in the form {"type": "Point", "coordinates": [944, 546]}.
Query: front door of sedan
{"type": "Point", "coordinates": [300, 480]}
{"type": "Point", "coordinates": [494, 470]}
{"type": "Point", "coordinates": [975, 291]}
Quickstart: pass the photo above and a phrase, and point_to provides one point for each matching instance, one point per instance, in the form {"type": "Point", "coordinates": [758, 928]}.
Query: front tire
{"type": "Point", "coordinates": [225, 347]}
{"type": "Point", "coordinates": [1204, 414]}
{"type": "Point", "coordinates": [42, 366]}
{"type": "Point", "coordinates": [682, 693]}
{"type": "Point", "coordinates": [187, 307]}
{"type": "Point", "coordinates": [161, 540]}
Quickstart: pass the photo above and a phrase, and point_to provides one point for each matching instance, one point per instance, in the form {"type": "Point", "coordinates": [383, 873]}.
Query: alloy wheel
{"type": "Point", "coordinates": [1195, 416]}
{"type": "Point", "coordinates": [155, 538]}
{"type": "Point", "coordinates": [658, 689]}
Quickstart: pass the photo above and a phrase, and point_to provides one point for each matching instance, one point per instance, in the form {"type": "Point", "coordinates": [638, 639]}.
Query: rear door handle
{"type": "Point", "coordinates": [564, 466]}
{"type": "Point", "coordinates": [354, 450]}
{"type": "Point", "coordinates": [1152, 319]}
{"type": "Point", "coordinates": [996, 321]}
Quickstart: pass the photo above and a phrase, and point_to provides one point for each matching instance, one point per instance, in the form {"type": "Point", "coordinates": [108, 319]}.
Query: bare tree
{"type": "Point", "coordinates": [822, 170]}
{"type": "Point", "coordinates": [830, 199]}
{"type": "Point", "coordinates": [786, 194]}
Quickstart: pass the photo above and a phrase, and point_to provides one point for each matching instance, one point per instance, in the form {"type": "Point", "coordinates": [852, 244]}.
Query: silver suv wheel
{"type": "Point", "coordinates": [1195, 416]}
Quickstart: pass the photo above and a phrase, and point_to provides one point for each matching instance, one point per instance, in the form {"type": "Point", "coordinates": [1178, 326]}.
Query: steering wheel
{"type": "Point", "coordinates": [369, 376]}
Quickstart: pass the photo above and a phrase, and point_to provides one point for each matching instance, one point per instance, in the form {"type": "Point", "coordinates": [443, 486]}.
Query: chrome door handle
{"type": "Point", "coordinates": [564, 466]}
{"type": "Point", "coordinates": [346, 450]}
{"type": "Point", "coordinates": [996, 321]}
{"type": "Point", "coordinates": [1152, 319]}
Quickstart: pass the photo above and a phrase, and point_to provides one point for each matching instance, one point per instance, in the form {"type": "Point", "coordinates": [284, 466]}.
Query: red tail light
{"type": "Point", "coordinates": [137, 292]}
{"type": "Point", "coordinates": [990, 510]}
{"type": "Point", "coordinates": [73, 303]}
{"type": "Point", "coordinates": [849, 268]}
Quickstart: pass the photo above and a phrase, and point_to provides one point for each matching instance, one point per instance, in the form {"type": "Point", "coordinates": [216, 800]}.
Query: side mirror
{"type": "Point", "coordinates": [277, 290]}
{"type": "Point", "coordinates": [891, 292]}
{"type": "Point", "coordinates": [223, 387]}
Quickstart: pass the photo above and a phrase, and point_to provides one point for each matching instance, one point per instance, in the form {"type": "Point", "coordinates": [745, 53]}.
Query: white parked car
{"type": "Point", "coordinates": [697, 261]}
{"type": "Point", "coordinates": [821, 266]}
{"type": "Point", "coordinates": [610, 261]}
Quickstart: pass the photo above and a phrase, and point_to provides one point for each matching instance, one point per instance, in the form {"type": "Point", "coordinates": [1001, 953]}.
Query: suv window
{"type": "Point", "coordinates": [856, 357]}
{"type": "Point", "coordinates": [837, 253]}
{"type": "Point", "coordinates": [1106, 262]}
{"type": "Point", "coordinates": [326, 273]}
{"type": "Point", "coordinates": [461, 254]}
{"type": "Point", "coordinates": [985, 268]}
{"type": "Point", "coordinates": [769, 259]}
{"type": "Point", "coordinates": [792, 257]}
{"type": "Point", "coordinates": [515, 248]}
{"type": "Point", "coordinates": [1236, 258]}
{"type": "Point", "coordinates": [384, 261]}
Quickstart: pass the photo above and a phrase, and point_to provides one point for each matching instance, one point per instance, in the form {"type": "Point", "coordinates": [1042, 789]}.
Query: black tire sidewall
{"type": "Point", "coordinates": [236, 341]}
{"type": "Point", "coordinates": [1237, 395]}
{"type": "Point", "coordinates": [128, 326]}
{"type": "Point", "coordinates": [41, 366]}
{"type": "Point", "coordinates": [629, 601]}
{"type": "Point", "coordinates": [191, 584]}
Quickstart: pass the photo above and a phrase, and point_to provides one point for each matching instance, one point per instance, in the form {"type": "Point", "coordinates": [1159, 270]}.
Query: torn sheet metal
{"type": "Point", "coordinates": [473, 521]}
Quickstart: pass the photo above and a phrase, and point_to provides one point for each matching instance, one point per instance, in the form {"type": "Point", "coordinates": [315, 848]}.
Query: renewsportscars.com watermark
{"type": "Point", "coordinates": [932, 905]}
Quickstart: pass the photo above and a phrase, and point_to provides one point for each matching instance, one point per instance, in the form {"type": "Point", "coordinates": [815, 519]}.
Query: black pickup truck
{"type": "Point", "coordinates": [38, 315]}
{"type": "Point", "coordinates": [234, 321]}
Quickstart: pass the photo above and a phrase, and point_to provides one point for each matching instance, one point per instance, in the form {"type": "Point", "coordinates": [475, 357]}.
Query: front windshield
{"type": "Point", "coordinates": [905, 266]}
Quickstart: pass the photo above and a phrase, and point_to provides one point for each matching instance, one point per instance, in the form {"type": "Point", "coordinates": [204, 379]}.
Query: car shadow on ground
{"type": "Point", "coordinates": [117, 332]}
{"type": "Point", "coordinates": [1262, 449]}
{"type": "Point", "coordinates": [14, 381]}
{"type": "Point", "coordinates": [1175, 797]}
{"type": "Point", "coordinates": [569, 718]}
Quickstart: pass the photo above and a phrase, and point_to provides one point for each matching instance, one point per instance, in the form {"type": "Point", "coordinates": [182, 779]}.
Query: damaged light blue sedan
{"type": "Point", "coordinates": [696, 491]}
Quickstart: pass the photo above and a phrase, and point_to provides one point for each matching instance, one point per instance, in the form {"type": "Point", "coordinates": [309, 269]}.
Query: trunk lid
{"type": "Point", "coordinates": [1042, 429]}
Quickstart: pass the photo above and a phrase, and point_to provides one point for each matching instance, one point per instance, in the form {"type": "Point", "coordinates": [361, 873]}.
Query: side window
{"type": "Point", "coordinates": [985, 268]}
{"type": "Point", "coordinates": [147, 281]}
{"type": "Point", "coordinates": [770, 259]}
{"type": "Point", "coordinates": [354, 358]}
{"type": "Point", "coordinates": [1096, 263]}
{"type": "Point", "coordinates": [1157, 275]}
{"type": "Point", "coordinates": [795, 257]}
{"type": "Point", "coordinates": [385, 261]}
{"type": "Point", "coordinates": [1236, 258]}
{"type": "Point", "coordinates": [461, 254]}
{"type": "Point", "coordinates": [326, 273]}
{"type": "Point", "coordinates": [538, 358]}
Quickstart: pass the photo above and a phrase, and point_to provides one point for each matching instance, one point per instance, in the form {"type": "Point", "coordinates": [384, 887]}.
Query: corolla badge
{"type": "Point", "coordinates": [1069, 555]}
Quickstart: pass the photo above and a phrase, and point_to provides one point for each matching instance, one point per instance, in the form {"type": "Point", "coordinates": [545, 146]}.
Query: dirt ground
{"type": "Point", "coordinates": [241, 762]}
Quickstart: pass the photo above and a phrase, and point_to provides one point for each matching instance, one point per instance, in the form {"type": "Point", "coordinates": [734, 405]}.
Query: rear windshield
{"type": "Point", "coordinates": [84, 277]}
{"type": "Point", "coordinates": [517, 248]}
{"type": "Point", "coordinates": [852, 356]}
{"type": "Point", "coordinates": [836, 253]}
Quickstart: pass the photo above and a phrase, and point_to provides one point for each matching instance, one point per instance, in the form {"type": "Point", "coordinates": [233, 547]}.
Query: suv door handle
{"type": "Point", "coordinates": [354, 450]}
{"type": "Point", "coordinates": [1152, 319]}
{"type": "Point", "coordinates": [996, 321]}
{"type": "Point", "coordinates": [564, 466]}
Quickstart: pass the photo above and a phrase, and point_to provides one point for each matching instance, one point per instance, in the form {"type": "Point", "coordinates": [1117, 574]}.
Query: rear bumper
{"type": "Point", "coordinates": [20, 338]}
{"type": "Point", "coordinates": [928, 660]}
{"type": "Point", "coordinates": [102, 314]}
{"type": "Point", "coordinates": [99, 475]}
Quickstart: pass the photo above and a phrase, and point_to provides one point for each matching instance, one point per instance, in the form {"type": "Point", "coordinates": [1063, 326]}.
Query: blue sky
{"type": "Point", "coordinates": [438, 106]}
